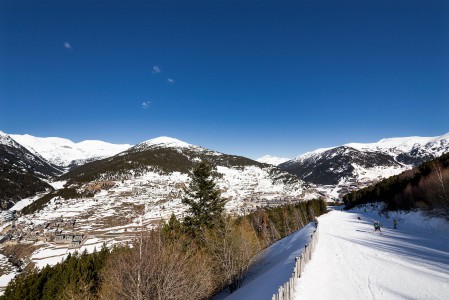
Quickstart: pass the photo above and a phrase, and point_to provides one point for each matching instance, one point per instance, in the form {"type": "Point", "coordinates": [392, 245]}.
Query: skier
{"type": "Point", "coordinates": [377, 227]}
{"type": "Point", "coordinates": [395, 223]}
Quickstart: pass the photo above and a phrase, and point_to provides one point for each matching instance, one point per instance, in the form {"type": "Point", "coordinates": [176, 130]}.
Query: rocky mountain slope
{"type": "Point", "coordinates": [340, 169]}
{"type": "Point", "coordinates": [22, 173]}
{"type": "Point", "coordinates": [67, 154]}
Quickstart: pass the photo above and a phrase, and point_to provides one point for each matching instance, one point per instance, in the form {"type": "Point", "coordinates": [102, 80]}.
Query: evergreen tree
{"type": "Point", "coordinates": [173, 229]}
{"type": "Point", "coordinates": [203, 198]}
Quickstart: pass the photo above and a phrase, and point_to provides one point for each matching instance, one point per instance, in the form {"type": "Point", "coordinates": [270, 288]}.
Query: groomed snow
{"type": "Point", "coordinates": [352, 262]}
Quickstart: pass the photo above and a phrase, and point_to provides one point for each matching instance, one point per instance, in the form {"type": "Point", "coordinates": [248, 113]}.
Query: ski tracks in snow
{"type": "Point", "coordinates": [351, 262]}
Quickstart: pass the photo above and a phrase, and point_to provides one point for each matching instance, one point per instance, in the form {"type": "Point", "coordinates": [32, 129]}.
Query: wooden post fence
{"type": "Point", "coordinates": [286, 291]}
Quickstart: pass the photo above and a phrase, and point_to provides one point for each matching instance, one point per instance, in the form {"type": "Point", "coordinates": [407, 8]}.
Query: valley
{"type": "Point", "coordinates": [100, 200]}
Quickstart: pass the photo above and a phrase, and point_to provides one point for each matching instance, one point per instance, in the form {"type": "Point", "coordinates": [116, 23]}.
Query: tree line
{"type": "Point", "coordinates": [192, 258]}
{"type": "Point", "coordinates": [425, 187]}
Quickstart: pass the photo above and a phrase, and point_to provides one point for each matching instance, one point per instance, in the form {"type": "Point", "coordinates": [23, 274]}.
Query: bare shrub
{"type": "Point", "coordinates": [232, 247]}
{"type": "Point", "coordinates": [157, 270]}
{"type": "Point", "coordinates": [439, 191]}
{"type": "Point", "coordinates": [78, 291]}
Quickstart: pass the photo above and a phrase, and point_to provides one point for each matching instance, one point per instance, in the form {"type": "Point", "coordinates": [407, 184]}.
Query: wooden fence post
{"type": "Point", "coordinates": [286, 291]}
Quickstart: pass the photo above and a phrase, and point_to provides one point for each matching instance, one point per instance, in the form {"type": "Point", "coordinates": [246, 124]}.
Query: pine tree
{"type": "Point", "coordinates": [203, 198]}
{"type": "Point", "coordinates": [173, 229]}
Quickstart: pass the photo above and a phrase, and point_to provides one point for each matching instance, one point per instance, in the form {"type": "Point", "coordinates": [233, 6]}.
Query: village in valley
{"type": "Point", "coordinates": [59, 231]}
{"type": "Point", "coordinates": [116, 212]}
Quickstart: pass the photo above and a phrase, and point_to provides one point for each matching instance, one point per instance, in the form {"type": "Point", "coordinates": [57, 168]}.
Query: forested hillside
{"type": "Point", "coordinates": [425, 187]}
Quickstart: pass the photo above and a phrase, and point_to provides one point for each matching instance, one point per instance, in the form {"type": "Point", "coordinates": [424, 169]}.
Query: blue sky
{"type": "Point", "coordinates": [241, 77]}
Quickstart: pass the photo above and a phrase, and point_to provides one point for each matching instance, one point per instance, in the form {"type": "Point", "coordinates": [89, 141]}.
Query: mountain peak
{"type": "Point", "coordinates": [7, 140]}
{"type": "Point", "coordinates": [272, 160]}
{"type": "Point", "coordinates": [64, 152]}
{"type": "Point", "coordinates": [164, 141]}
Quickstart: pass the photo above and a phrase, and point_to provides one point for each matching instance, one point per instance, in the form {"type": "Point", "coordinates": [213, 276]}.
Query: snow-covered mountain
{"type": "Point", "coordinates": [21, 172]}
{"type": "Point", "coordinates": [65, 153]}
{"type": "Point", "coordinates": [153, 176]}
{"type": "Point", "coordinates": [272, 160]}
{"type": "Point", "coordinates": [338, 170]}
{"type": "Point", "coordinates": [240, 178]}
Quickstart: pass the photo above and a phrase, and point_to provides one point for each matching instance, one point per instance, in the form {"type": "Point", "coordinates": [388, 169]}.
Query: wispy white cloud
{"type": "Point", "coordinates": [170, 81]}
{"type": "Point", "coordinates": [146, 104]}
{"type": "Point", "coordinates": [67, 45]}
{"type": "Point", "coordinates": [156, 69]}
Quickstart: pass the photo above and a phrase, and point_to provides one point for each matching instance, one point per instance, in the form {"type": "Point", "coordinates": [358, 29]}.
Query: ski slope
{"type": "Point", "coordinates": [352, 262]}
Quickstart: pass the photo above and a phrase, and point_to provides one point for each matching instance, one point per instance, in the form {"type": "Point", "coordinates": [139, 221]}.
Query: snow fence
{"type": "Point", "coordinates": [286, 291]}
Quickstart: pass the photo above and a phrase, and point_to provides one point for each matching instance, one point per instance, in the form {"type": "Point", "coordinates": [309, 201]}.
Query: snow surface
{"type": "Point", "coordinates": [55, 254]}
{"type": "Point", "coordinates": [5, 279]}
{"type": "Point", "coordinates": [352, 262]}
{"type": "Point", "coordinates": [24, 202]}
{"type": "Point", "coordinates": [404, 144]}
{"type": "Point", "coordinates": [274, 268]}
{"type": "Point", "coordinates": [7, 271]}
{"type": "Point", "coordinates": [272, 160]}
{"type": "Point", "coordinates": [63, 152]}
{"type": "Point", "coordinates": [165, 141]}
{"type": "Point", "coordinates": [6, 140]}
{"type": "Point", "coordinates": [313, 153]}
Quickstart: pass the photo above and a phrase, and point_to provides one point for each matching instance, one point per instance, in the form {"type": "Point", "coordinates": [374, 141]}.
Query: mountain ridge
{"type": "Point", "coordinates": [272, 160]}
{"type": "Point", "coordinates": [341, 169]}
{"type": "Point", "coordinates": [22, 173]}
{"type": "Point", "coordinates": [65, 153]}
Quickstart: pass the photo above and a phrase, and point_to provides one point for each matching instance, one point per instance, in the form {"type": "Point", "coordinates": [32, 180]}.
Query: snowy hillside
{"type": "Point", "coordinates": [163, 141]}
{"type": "Point", "coordinates": [21, 172]}
{"type": "Point", "coordinates": [241, 179]}
{"type": "Point", "coordinates": [272, 160]}
{"type": "Point", "coordinates": [338, 170]}
{"type": "Point", "coordinates": [408, 150]}
{"type": "Point", "coordinates": [15, 155]}
{"type": "Point", "coordinates": [65, 153]}
{"type": "Point", "coordinates": [109, 196]}
{"type": "Point", "coordinates": [416, 146]}
{"type": "Point", "coordinates": [108, 199]}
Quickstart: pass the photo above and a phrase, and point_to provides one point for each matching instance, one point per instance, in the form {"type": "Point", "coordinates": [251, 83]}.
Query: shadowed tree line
{"type": "Point", "coordinates": [425, 187]}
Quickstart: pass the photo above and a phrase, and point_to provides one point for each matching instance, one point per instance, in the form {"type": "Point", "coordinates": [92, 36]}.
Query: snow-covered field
{"type": "Point", "coordinates": [51, 255]}
{"type": "Point", "coordinates": [352, 262]}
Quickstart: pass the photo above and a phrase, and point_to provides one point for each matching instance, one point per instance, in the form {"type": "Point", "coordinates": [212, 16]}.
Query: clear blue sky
{"type": "Point", "coordinates": [242, 77]}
